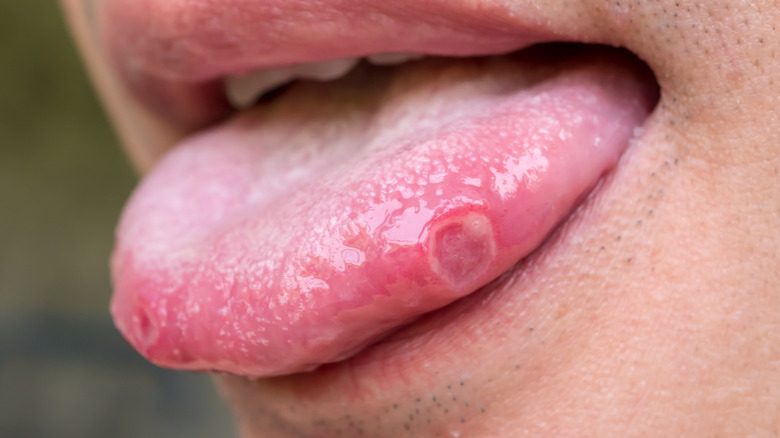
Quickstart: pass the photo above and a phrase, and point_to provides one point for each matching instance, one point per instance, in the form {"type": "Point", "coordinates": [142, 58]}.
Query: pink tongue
{"type": "Point", "coordinates": [299, 233]}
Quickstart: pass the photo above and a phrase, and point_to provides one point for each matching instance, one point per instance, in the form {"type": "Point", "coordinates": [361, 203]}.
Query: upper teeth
{"type": "Point", "coordinates": [392, 58]}
{"type": "Point", "coordinates": [242, 91]}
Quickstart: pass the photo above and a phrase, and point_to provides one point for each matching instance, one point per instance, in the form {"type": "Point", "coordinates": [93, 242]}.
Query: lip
{"type": "Point", "coordinates": [172, 55]}
{"type": "Point", "coordinates": [181, 81]}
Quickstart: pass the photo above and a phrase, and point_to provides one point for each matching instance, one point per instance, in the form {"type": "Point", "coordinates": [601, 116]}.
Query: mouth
{"type": "Point", "coordinates": [336, 190]}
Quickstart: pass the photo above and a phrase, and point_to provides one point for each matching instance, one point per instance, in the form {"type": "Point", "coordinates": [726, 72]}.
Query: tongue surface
{"type": "Point", "coordinates": [301, 232]}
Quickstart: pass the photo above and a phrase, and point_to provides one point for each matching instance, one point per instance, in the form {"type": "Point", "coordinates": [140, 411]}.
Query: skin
{"type": "Point", "coordinates": [662, 316]}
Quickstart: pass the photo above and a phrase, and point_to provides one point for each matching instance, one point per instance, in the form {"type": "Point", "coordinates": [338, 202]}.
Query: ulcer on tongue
{"type": "Point", "coordinates": [299, 233]}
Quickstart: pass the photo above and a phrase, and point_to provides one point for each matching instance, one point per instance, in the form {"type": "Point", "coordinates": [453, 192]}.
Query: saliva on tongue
{"type": "Point", "coordinates": [302, 231]}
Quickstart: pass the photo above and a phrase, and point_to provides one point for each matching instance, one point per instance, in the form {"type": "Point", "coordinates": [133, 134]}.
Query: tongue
{"type": "Point", "coordinates": [301, 232]}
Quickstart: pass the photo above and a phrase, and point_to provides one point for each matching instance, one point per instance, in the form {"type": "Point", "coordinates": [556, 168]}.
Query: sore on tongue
{"type": "Point", "coordinates": [303, 231]}
{"type": "Point", "coordinates": [461, 250]}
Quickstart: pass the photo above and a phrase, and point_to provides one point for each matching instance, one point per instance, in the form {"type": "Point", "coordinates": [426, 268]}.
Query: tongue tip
{"type": "Point", "coordinates": [137, 323]}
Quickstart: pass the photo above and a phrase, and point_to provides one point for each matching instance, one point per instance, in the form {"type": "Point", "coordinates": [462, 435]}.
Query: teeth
{"type": "Point", "coordinates": [242, 91]}
{"type": "Point", "coordinates": [392, 58]}
{"type": "Point", "coordinates": [325, 70]}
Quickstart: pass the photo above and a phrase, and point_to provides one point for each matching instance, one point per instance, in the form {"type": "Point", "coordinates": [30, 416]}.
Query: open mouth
{"type": "Point", "coordinates": [330, 202]}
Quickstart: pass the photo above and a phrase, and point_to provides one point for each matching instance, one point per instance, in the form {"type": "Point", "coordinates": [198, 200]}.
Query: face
{"type": "Point", "coordinates": [561, 241]}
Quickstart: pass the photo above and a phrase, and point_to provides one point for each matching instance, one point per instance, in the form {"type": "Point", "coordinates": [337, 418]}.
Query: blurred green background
{"type": "Point", "coordinates": [64, 370]}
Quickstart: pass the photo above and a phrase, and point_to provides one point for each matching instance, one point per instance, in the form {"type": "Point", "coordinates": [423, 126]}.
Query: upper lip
{"type": "Point", "coordinates": [195, 42]}
{"type": "Point", "coordinates": [173, 55]}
